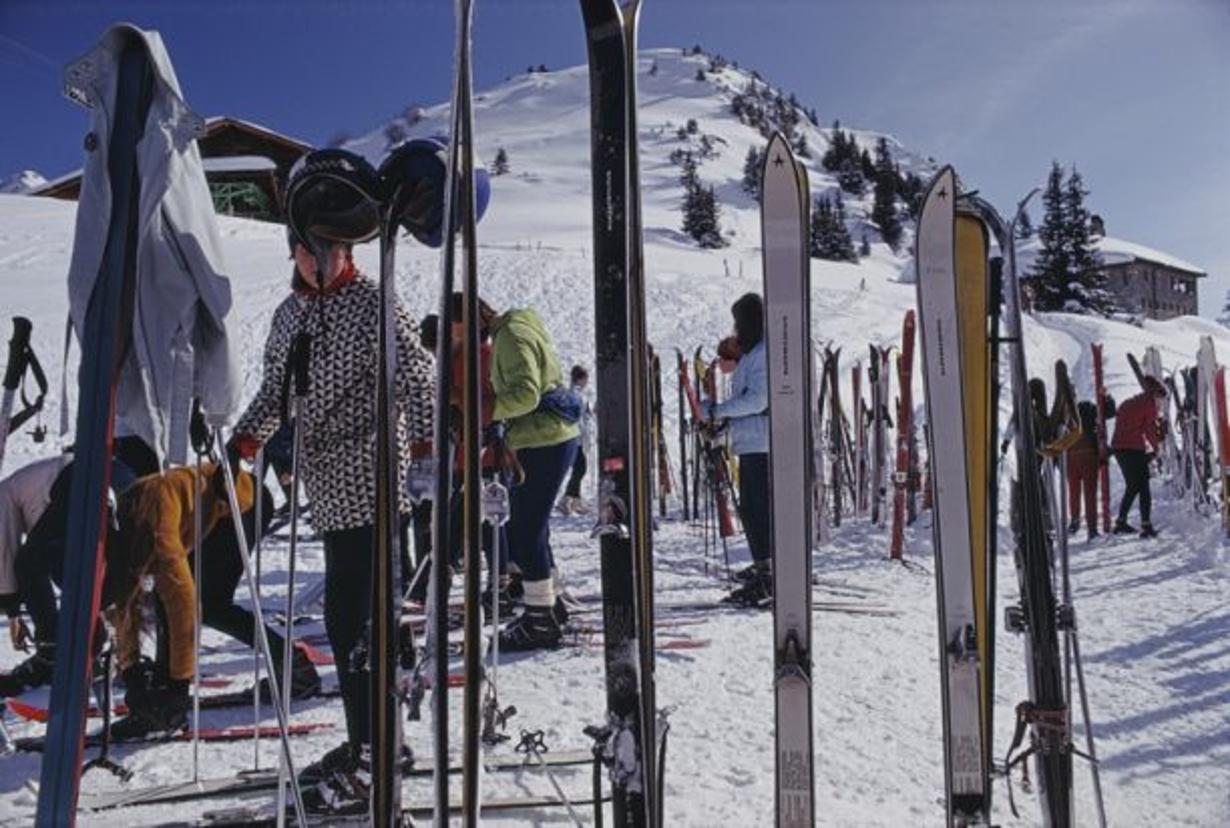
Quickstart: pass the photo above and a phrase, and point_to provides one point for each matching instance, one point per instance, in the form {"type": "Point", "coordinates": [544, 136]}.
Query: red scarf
{"type": "Point", "coordinates": [302, 287]}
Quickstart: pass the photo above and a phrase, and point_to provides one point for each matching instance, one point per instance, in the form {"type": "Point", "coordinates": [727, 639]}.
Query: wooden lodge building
{"type": "Point", "coordinates": [245, 164]}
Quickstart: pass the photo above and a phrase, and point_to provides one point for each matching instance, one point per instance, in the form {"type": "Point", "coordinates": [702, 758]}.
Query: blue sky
{"type": "Point", "coordinates": [1135, 93]}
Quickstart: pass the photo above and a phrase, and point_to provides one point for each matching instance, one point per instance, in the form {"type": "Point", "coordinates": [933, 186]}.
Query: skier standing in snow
{"type": "Point", "coordinates": [572, 503]}
{"type": "Point", "coordinates": [338, 308]}
{"type": "Point", "coordinates": [746, 415]}
{"type": "Point", "coordinates": [541, 418]}
{"type": "Point", "coordinates": [496, 457]}
{"type": "Point", "coordinates": [1135, 441]}
{"type": "Point", "coordinates": [1082, 468]}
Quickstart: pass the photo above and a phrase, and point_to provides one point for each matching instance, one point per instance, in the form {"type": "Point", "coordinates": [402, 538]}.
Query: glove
{"type": "Point", "coordinates": [241, 446]}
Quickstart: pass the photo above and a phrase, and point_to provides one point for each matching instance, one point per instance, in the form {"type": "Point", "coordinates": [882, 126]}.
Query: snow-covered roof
{"type": "Point", "coordinates": [252, 125]}
{"type": "Point", "coordinates": [1113, 252]}
{"type": "Point", "coordinates": [1118, 251]}
{"type": "Point", "coordinates": [239, 163]}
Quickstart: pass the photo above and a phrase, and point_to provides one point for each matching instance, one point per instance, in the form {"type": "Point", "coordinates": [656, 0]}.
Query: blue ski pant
{"type": "Point", "coordinates": [530, 505]}
{"type": "Point", "coordinates": [754, 504]}
{"type": "Point", "coordinates": [348, 614]}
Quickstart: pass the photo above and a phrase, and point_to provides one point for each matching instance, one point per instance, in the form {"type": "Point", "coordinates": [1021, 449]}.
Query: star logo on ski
{"type": "Point", "coordinates": [778, 160]}
{"type": "Point", "coordinates": [943, 193]}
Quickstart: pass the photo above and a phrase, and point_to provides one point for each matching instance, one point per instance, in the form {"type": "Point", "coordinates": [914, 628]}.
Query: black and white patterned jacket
{"type": "Point", "coordinates": [339, 413]}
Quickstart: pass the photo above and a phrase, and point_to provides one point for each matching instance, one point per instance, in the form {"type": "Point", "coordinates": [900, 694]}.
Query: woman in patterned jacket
{"type": "Point", "coordinates": [338, 307]}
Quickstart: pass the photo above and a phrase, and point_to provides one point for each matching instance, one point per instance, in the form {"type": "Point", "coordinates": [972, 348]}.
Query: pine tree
{"type": "Point", "coordinates": [701, 215]}
{"type": "Point", "coordinates": [751, 172]}
{"type": "Point", "coordinates": [1224, 319]}
{"type": "Point", "coordinates": [821, 221]}
{"type": "Point", "coordinates": [1087, 278]}
{"type": "Point", "coordinates": [394, 133]}
{"type": "Point", "coordinates": [829, 237]}
{"type": "Point", "coordinates": [850, 177]}
{"type": "Point", "coordinates": [884, 210]}
{"type": "Point", "coordinates": [864, 247]}
{"type": "Point", "coordinates": [1050, 268]}
{"type": "Point", "coordinates": [800, 147]}
{"type": "Point", "coordinates": [499, 166]}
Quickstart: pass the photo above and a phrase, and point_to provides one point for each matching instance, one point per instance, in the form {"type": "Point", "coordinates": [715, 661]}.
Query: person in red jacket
{"type": "Point", "coordinates": [1135, 441]}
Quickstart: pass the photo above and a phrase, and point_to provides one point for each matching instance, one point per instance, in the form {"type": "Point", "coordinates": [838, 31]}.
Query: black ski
{"type": "Point", "coordinates": [1045, 715]}
{"type": "Point", "coordinates": [623, 411]}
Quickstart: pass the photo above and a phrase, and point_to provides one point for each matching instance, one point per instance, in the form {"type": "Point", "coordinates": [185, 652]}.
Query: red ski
{"type": "Point", "coordinates": [905, 420]}
{"type": "Point", "coordinates": [1103, 449]}
{"type": "Point", "coordinates": [1223, 429]}
{"type": "Point", "coordinates": [715, 464]}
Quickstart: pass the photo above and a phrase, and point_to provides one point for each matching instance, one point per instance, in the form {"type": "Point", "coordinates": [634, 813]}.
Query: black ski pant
{"type": "Point", "coordinates": [221, 572]}
{"type": "Point", "coordinates": [530, 505]}
{"type": "Point", "coordinates": [348, 613]}
{"type": "Point", "coordinates": [754, 504]}
{"type": "Point", "coordinates": [579, 467]}
{"type": "Point", "coordinates": [1134, 464]}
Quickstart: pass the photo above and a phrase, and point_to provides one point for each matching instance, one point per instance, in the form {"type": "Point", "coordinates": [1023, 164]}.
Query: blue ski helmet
{"type": "Point", "coordinates": [332, 195]}
{"type": "Point", "coordinates": [414, 174]}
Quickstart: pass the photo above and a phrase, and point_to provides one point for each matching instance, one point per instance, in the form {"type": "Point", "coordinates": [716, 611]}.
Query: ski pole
{"type": "Point", "coordinates": [262, 639]}
{"type": "Point", "coordinates": [258, 474]}
{"type": "Point", "coordinates": [196, 621]}
{"type": "Point", "coordinates": [299, 359]}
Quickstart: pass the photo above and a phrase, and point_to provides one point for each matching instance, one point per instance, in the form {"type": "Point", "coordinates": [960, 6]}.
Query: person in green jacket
{"type": "Point", "coordinates": [541, 416]}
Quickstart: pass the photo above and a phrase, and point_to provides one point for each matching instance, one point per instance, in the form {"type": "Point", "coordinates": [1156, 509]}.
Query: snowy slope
{"type": "Point", "coordinates": [22, 182]}
{"type": "Point", "coordinates": [1154, 615]}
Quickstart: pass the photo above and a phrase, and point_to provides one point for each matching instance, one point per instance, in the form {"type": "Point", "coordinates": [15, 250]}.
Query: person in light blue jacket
{"type": "Point", "coordinates": [746, 417]}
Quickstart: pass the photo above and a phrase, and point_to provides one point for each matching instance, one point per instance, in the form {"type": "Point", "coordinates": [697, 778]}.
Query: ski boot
{"type": "Point", "coordinates": [507, 604]}
{"type": "Point", "coordinates": [343, 787]}
{"type": "Point", "coordinates": [304, 680]}
{"type": "Point", "coordinates": [1147, 531]}
{"type": "Point", "coordinates": [1122, 527]}
{"type": "Point", "coordinates": [35, 671]}
{"type": "Point", "coordinates": [756, 592]}
{"type": "Point", "coordinates": [536, 629]}
{"type": "Point", "coordinates": [1074, 526]}
{"type": "Point", "coordinates": [748, 573]}
{"type": "Point", "coordinates": [162, 711]}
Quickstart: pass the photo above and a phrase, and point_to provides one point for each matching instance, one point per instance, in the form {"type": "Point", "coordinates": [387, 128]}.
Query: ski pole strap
{"type": "Point", "coordinates": [1053, 719]}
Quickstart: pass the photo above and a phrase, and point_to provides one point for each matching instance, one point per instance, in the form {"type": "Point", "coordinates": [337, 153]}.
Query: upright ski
{"type": "Point", "coordinates": [905, 426]}
{"type": "Point", "coordinates": [787, 293]}
{"type": "Point", "coordinates": [1045, 715]}
{"type": "Point", "coordinates": [944, 361]}
{"type": "Point", "coordinates": [105, 341]}
{"type": "Point", "coordinates": [621, 357]}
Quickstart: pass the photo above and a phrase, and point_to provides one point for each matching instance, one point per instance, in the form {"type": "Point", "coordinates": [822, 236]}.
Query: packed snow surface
{"type": "Point", "coordinates": [1154, 616]}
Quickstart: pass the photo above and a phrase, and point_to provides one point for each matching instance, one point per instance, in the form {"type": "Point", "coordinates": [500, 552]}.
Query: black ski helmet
{"type": "Point", "coordinates": [332, 195]}
{"type": "Point", "coordinates": [748, 313]}
{"type": "Point", "coordinates": [414, 174]}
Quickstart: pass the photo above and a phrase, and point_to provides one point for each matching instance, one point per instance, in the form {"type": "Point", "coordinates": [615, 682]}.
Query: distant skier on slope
{"type": "Point", "coordinates": [542, 416]}
{"type": "Point", "coordinates": [338, 307]}
{"type": "Point", "coordinates": [1138, 433]}
{"type": "Point", "coordinates": [746, 415]}
{"type": "Point", "coordinates": [156, 517]}
{"type": "Point", "coordinates": [572, 503]}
